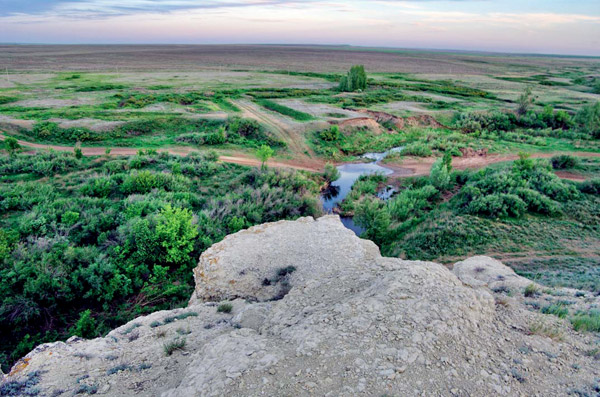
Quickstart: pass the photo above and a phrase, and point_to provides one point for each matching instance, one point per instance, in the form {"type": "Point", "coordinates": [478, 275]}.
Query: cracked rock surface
{"type": "Point", "coordinates": [318, 311]}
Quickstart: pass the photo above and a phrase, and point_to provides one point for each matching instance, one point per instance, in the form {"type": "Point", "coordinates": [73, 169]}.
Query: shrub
{"type": "Point", "coordinates": [498, 205]}
{"type": "Point", "coordinates": [85, 326]}
{"type": "Point", "coordinates": [78, 152]}
{"type": "Point", "coordinates": [531, 290]}
{"type": "Point", "coordinates": [331, 134]}
{"type": "Point", "coordinates": [118, 368]}
{"type": "Point", "coordinates": [591, 186]}
{"type": "Point", "coordinates": [528, 186]}
{"type": "Point", "coordinates": [588, 119]}
{"type": "Point", "coordinates": [525, 101]}
{"type": "Point", "coordinates": [331, 173]}
{"type": "Point", "coordinates": [12, 145]}
{"type": "Point", "coordinates": [440, 174]}
{"type": "Point", "coordinates": [225, 308]}
{"type": "Point", "coordinates": [564, 161]}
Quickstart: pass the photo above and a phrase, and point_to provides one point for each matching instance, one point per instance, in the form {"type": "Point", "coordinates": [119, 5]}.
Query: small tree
{"type": "Point", "coordinates": [331, 173]}
{"type": "Point", "coordinates": [264, 153]}
{"type": "Point", "coordinates": [77, 151]}
{"type": "Point", "coordinates": [12, 145]}
{"type": "Point", "coordinates": [107, 152]}
{"type": "Point", "coordinates": [440, 174]}
{"type": "Point", "coordinates": [356, 79]}
{"type": "Point", "coordinates": [85, 326]}
{"type": "Point", "coordinates": [525, 101]}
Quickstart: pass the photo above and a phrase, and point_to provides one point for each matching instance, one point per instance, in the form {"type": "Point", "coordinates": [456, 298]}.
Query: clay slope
{"type": "Point", "coordinates": [317, 311]}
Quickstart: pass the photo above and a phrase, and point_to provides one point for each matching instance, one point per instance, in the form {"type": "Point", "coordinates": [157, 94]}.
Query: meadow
{"type": "Point", "coordinates": [115, 186]}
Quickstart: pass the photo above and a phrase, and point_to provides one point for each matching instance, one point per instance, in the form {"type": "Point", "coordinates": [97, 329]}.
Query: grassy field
{"type": "Point", "coordinates": [83, 215]}
{"type": "Point", "coordinates": [150, 87]}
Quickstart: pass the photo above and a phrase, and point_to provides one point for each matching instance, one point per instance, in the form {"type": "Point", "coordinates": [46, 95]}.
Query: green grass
{"type": "Point", "coordinates": [557, 310]}
{"type": "Point", "coordinates": [356, 142]}
{"type": "Point", "coordinates": [589, 321]}
{"type": "Point", "coordinates": [225, 308]}
{"type": "Point", "coordinates": [286, 111]}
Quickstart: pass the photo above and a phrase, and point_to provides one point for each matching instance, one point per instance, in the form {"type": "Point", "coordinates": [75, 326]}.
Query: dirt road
{"type": "Point", "coordinates": [289, 131]}
{"type": "Point", "coordinates": [410, 166]}
{"type": "Point", "coordinates": [422, 166]}
{"type": "Point", "coordinates": [315, 166]}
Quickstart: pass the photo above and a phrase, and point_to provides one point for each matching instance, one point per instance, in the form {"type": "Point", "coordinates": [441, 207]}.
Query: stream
{"type": "Point", "coordinates": [349, 173]}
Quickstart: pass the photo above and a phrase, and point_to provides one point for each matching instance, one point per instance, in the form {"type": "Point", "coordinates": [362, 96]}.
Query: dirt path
{"type": "Point", "coordinates": [241, 159]}
{"type": "Point", "coordinates": [413, 166]}
{"type": "Point", "coordinates": [291, 132]}
{"type": "Point", "coordinates": [410, 166]}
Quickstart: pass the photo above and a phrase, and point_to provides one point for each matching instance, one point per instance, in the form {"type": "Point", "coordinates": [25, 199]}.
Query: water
{"type": "Point", "coordinates": [380, 156]}
{"type": "Point", "coordinates": [349, 173]}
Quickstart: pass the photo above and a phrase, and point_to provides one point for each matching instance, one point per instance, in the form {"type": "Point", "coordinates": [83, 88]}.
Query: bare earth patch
{"type": "Point", "coordinates": [92, 124]}
{"type": "Point", "coordinates": [55, 102]}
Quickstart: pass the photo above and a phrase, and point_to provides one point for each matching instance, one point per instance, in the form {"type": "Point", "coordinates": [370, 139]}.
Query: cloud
{"type": "Point", "coordinates": [104, 8]}
{"type": "Point", "coordinates": [463, 24]}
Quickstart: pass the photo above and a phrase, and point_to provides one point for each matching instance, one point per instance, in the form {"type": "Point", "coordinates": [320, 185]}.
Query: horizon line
{"type": "Point", "coordinates": [424, 49]}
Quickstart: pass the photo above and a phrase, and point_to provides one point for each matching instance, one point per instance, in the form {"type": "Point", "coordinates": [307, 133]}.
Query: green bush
{"type": "Point", "coordinates": [117, 241]}
{"type": "Point", "coordinates": [331, 134]}
{"type": "Point", "coordinates": [85, 326]}
{"type": "Point", "coordinates": [591, 186]}
{"type": "Point", "coordinates": [527, 186]}
{"type": "Point", "coordinates": [417, 149]}
{"type": "Point", "coordinates": [564, 161]}
{"type": "Point", "coordinates": [440, 174]}
{"type": "Point", "coordinates": [331, 173]}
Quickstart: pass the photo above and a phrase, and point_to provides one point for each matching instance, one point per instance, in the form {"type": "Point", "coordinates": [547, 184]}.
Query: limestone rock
{"type": "Point", "coordinates": [247, 264]}
{"type": "Point", "coordinates": [346, 322]}
{"type": "Point", "coordinates": [480, 271]}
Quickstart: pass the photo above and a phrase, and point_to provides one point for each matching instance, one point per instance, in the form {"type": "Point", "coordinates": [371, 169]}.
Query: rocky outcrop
{"type": "Point", "coordinates": [317, 311]}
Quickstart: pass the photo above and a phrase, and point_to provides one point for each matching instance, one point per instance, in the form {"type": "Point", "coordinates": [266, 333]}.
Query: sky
{"type": "Point", "coordinates": [570, 27]}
